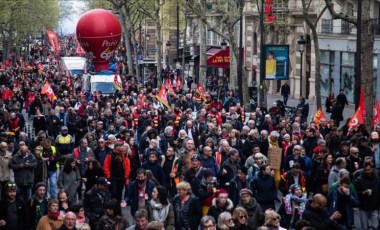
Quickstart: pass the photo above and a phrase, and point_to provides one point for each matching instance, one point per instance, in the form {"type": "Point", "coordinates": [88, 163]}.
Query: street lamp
{"type": "Point", "coordinates": [301, 48]}
{"type": "Point", "coordinates": [167, 55]}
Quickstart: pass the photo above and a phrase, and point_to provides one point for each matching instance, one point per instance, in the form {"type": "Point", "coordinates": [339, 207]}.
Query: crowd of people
{"type": "Point", "coordinates": [201, 163]}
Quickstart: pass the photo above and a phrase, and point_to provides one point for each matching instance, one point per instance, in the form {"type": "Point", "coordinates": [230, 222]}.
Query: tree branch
{"type": "Point", "coordinates": [320, 15]}
{"type": "Point", "coordinates": [336, 15]}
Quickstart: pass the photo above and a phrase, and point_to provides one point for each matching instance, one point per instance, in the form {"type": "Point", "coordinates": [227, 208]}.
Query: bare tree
{"type": "Point", "coordinates": [367, 44]}
{"type": "Point", "coordinates": [313, 27]}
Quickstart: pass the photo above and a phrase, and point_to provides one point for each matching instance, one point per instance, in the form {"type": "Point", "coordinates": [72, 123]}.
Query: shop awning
{"type": "Point", "coordinates": [218, 58]}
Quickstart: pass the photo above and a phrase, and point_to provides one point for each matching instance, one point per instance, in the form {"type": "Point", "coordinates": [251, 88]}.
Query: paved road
{"type": "Point", "coordinates": [347, 113]}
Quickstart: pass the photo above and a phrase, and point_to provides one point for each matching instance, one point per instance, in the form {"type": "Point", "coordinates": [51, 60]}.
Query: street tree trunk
{"type": "Point", "coordinates": [367, 78]}
{"type": "Point", "coordinates": [202, 53]}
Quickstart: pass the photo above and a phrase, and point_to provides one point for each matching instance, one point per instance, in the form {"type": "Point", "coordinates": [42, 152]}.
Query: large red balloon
{"type": "Point", "coordinates": [99, 32]}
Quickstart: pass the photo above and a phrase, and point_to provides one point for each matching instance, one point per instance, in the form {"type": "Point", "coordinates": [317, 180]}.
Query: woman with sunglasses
{"type": "Point", "coordinates": [272, 220]}
{"type": "Point", "coordinates": [225, 221]}
{"type": "Point", "coordinates": [240, 217]}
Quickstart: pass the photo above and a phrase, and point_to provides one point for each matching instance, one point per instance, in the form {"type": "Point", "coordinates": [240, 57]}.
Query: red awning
{"type": "Point", "coordinates": [220, 59]}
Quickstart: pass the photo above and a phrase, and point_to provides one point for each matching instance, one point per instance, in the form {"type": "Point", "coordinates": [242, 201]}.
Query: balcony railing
{"type": "Point", "coordinates": [327, 26]}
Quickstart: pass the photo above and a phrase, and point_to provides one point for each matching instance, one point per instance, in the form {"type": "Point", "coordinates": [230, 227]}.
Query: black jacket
{"type": "Point", "coordinates": [22, 214]}
{"type": "Point", "coordinates": [364, 182]}
{"type": "Point", "coordinates": [264, 189]}
{"type": "Point", "coordinates": [194, 213]}
{"type": "Point", "coordinates": [93, 204]}
{"type": "Point", "coordinates": [319, 219]}
{"type": "Point", "coordinates": [132, 196]}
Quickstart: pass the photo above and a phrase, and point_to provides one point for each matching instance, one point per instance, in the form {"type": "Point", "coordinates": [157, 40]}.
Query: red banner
{"type": "Point", "coordinates": [376, 113]}
{"type": "Point", "coordinates": [179, 82]}
{"type": "Point", "coordinates": [356, 119]}
{"type": "Point", "coordinates": [169, 85]}
{"type": "Point", "coordinates": [53, 40]}
{"type": "Point", "coordinates": [161, 96]}
{"type": "Point", "coordinates": [318, 116]}
{"type": "Point", "coordinates": [201, 91]}
{"type": "Point", "coordinates": [48, 91]}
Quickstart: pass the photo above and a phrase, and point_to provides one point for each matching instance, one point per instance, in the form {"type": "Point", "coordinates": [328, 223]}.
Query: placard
{"type": "Point", "coordinates": [274, 157]}
{"type": "Point", "coordinates": [277, 62]}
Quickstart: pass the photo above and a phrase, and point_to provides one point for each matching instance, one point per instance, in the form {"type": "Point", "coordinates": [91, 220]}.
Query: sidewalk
{"type": "Point", "coordinates": [347, 113]}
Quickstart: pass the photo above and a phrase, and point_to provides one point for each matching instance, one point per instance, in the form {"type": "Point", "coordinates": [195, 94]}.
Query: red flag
{"type": "Point", "coordinates": [361, 102]}
{"type": "Point", "coordinates": [201, 91]}
{"type": "Point", "coordinates": [161, 96]}
{"type": "Point", "coordinates": [179, 82]}
{"type": "Point", "coordinates": [169, 86]}
{"type": "Point", "coordinates": [116, 82]}
{"type": "Point", "coordinates": [53, 40]}
{"type": "Point", "coordinates": [48, 91]}
{"type": "Point", "coordinates": [376, 113]}
{"type": "Point", "coordinates": [356, 119]}
{"type": "Point", "coordinates": [69, 81]}
{"type": "Point", "coordinates": [318, 116]}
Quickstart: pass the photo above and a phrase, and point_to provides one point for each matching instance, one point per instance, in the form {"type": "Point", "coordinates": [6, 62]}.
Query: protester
{"type": "Point", "coordinates": [53, 220]}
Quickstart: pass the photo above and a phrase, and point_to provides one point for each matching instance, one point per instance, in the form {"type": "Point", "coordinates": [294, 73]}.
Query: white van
{"type": "Point", "coordinates": [73, 65]}
{"type": "Point", "coordinates": [102, 81]}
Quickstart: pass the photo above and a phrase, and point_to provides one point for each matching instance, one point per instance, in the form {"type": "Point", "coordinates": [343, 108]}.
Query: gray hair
{"type": "Point", "coordinates": [206, 219]}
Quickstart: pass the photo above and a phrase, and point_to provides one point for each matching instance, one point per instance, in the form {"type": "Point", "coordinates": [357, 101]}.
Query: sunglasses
{"type": "Point", "coordinates": [277, 218]}
{"type": "Point", "coordinates": [242, 217]}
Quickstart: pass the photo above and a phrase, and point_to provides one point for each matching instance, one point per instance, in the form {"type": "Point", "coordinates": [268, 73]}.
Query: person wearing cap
{"type": "Point", "coordinates": [264, 188]}
{"type": "Point", "coordinates": [37, 205]}
{"type": "Point", "coordinates": [5, 171]}
{"type": "Point", "coordinates": [292, 176]}
{"type": "Point", "coordinates": [239, 182]}
{"type": "Point", "coordinates": [364, 149]}
{"type": "Point", "coordinates": [207, 189]}
{"type": "Point", "coordinates": [220, 203]}
{"type": "Point", "coordinates": [95, 199]}
{"type": "Point", "coordinates": [194, 174]}
{"type": "Point", "coordinates": [12, 210]}
{"type": "Point", "coordinates": [229, 168]}
{"type": "Point", "coordinates": [64, 143]}
{"type": "Point", "coordinates": [354, 161]}
{"type": "Point", "coordinates": [293, 206]}
{"type": "Point", "coordinates": [117, 169]}
{"type": "Point", "coordinates": [254, 211]}
{"type": "Point", "coordinates": [53, 219]}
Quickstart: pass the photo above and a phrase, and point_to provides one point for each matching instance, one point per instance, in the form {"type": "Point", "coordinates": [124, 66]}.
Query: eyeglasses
{"type": "Point", "coordinates": [208, 226]}
{"type": "Point", "coordinates": [230, 219]}
{"type": "Point", "coordinates": [242, 217]}
{"type": "Point", "coordinates": [277, 218]}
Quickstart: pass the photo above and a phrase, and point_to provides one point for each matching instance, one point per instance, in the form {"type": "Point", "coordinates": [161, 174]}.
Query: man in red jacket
{"type": "Point", "coordinates": [117, 169]}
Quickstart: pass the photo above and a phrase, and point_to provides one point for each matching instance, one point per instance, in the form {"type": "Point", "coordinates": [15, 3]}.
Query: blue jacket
{"type": "Point", "coordinates": [332, 203]}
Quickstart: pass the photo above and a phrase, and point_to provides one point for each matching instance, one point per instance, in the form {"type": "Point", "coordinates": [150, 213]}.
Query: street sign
{"type": "Point", "coordinates": [152, 50]}
{"type": "Point", "coordinates": [140, 59]}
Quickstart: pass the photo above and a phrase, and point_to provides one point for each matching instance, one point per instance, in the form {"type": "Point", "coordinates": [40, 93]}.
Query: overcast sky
{"type": "Point", "coordinates": [69, 24]}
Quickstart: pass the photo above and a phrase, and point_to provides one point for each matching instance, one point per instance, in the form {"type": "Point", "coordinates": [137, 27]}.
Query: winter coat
{"type": "Point", "coordinates": [5, 171]}
{"type": "Point", "coordinates": [170, 219]}
{"type": "Point", "coordinates": [352, 201]}
{"type": "Point", "coordinates": [93, 204]}
{"type": "Point", "coordinates": [108, 223]}
{"type": "Point", "coordinates": [70, 182]}
{"type": "Point", "coordinates": [24, 175]}
{"type": "Point", "coordinates": [215, 209]}
{"type": "Point", "coordinates": [132, 197]}
{"type": "Point", "coordinates": [319, 219]}
{"type": "Point", "coordinates": [22, 216]}
{"type": "Point", "coordinates": [255, 213]}
{"type": "Point", "coordinates": [364, 182]}
{"type": "Point", "coordinates": [194, 212]}
{"type": "Point", "coordinates": [264, 189]}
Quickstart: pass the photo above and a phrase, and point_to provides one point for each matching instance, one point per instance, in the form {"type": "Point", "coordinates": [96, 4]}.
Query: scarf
{"type": "Point", "coordinates": [53, 215]}
{"type": "Point", "coordinates": [293, 198]}
{"type": "Point", "coordinates": [160, 212]}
